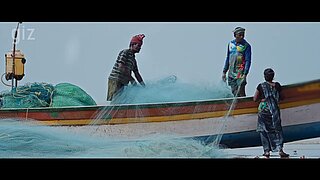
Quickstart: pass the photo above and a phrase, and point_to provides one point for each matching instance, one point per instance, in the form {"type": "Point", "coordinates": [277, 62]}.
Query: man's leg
{"type": "Point", "coordinates": [265, 142]}
{"type": "Point", "coordinates": [111, 90]}
{"type": "Point", "coordinates": [242, 91]}
{"type": "Point", "coordinates": [113, 87]}
{"type": "Point", "coordinates": [234, 89]}
{"type": "Point", "coordinates": [234, 86]}
{"type": "Point", "coordinates": [242, 87]}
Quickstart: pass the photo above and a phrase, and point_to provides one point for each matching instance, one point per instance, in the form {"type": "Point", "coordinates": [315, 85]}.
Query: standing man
{"type": "Point", "coordinates": [237, 62]}
{"type": "Point", "coordinates": [126, 63]}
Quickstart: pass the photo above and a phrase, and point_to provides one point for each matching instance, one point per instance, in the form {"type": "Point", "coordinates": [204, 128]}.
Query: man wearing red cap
{"type": "Point", "coordinates": [126, 63]}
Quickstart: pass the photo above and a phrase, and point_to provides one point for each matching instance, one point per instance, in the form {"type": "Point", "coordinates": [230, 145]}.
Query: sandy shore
{"type": "Point", "coordinates": [304, 149]}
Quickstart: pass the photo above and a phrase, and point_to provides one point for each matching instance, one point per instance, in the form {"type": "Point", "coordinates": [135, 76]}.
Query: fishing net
{"type": "Point", "coordinates": [33, 95]}
{"type": "Point", "coordinates": [171, 89]}
{"type": "Point", "coordinates": [28, 96]}
{"type": "Point", "coordinates": [66, 94]}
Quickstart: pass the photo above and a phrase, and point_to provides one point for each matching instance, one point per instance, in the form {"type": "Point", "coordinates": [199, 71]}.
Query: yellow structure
{"type": "Point", "coordinates": [18, 64]}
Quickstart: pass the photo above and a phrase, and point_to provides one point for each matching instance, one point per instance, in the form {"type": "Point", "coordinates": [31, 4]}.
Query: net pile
{"type": "Point", "coordinates": [33, 95]}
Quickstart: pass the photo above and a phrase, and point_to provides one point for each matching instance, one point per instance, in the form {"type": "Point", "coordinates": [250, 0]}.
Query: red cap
{"type": "Point", "coordinates": [137, 39]}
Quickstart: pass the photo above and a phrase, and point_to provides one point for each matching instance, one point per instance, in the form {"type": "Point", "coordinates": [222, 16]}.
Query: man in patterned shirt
{"type": "Point", "coordinates": [126, 63]}
{"type": "Point", "coordinates": [238, 63]}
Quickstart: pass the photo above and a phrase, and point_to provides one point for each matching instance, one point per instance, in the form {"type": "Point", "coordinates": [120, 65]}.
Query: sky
{"type": "Point", "coordinates": [83, 53]}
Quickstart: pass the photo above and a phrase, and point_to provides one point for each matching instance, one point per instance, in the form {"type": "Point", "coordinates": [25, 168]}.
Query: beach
{"type": "Point", "coordinates": [303, 149]}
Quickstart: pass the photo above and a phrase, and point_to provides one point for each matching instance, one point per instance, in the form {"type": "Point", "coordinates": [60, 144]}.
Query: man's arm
{"type": "Point", "coordinates": [226, 65]}
{"type": "Point", "coordinates": [139, 78]}
{"type": "Point", "coordinates": [248, 60]}
{"type": "Point", "coordinates": [281, 94]}
{"type": "Point", "coordinates": [133, 81]}
{"type": "Point", "coordinates": [121, 60]}
{"type": "Point", "coordinates": [226, 62]}
{"type": "Point", "coordinates": [256, 96]}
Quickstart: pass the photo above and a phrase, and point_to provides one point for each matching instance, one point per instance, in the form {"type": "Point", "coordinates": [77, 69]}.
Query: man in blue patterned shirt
{"type": "Point", "coordinates": [126, 63]}
{"type": "Point", "coordinates": [238, 63]}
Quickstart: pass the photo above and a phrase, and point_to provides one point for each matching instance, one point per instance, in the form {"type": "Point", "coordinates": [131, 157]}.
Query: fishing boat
{"type": "Point", "coordinates": [235, 119]}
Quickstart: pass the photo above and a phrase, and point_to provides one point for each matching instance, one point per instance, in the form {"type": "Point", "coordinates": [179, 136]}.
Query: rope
{"type": "Point", "coordinates": [27, 113]}
{"type": "Point", "coordinates": [3, 81]}
{"type": "Point", "coordinates": [220, 133]}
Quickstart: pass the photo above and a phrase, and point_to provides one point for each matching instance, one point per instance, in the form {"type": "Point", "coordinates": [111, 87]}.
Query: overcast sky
{"type": "Point", "coordinates": [84, 53]}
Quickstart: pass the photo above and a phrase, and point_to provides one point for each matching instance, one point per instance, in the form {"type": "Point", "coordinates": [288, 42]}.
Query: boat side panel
{"type": "Point", "coordinates": [252, 138]}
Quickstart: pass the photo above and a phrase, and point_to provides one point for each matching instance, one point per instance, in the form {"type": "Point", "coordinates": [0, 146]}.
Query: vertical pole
{"type": "Point", "coordinates": [14, 57]}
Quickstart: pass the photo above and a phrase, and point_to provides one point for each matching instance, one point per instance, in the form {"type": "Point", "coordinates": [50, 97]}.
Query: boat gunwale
{"type": "Point", "coordinates": [149, 105]}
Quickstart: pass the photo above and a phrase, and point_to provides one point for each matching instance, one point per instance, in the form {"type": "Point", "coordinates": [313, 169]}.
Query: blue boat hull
{"type": "Point", "coordinates": [252, 138]}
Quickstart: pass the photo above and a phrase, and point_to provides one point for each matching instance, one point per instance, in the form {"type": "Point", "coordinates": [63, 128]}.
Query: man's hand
{"type": "Point", "coordinates": [224, 77]}
{"type": "Point", "coordinates": [133, 82]}
{"type": "Point", "coordinates": [143, 84]}
{"type": "Point", "coordinates": [244, 77]}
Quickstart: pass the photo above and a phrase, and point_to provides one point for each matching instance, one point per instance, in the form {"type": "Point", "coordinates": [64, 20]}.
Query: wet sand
{"type": "Point", "coordinates": [304, 149]}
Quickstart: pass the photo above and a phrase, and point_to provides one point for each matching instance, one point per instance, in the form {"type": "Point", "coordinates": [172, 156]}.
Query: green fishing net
{"type": "Point", "coordinates": [66, 94]}
{"type": "Point", "coordinates": [33, 95]}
